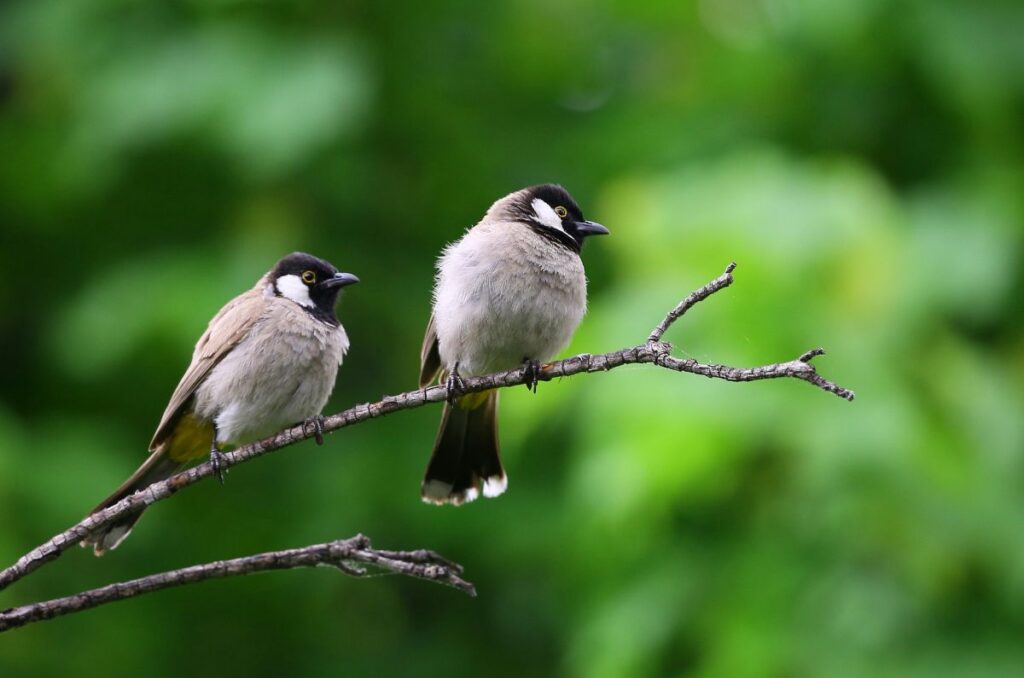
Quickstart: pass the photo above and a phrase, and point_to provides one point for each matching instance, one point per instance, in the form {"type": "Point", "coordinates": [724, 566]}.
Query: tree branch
{"type": "Point", "coordinates": [721, 282]}
{"type": "Point", "coordinates": [654, 351]}
{"type": "Point", "coordinates": [347, 555]}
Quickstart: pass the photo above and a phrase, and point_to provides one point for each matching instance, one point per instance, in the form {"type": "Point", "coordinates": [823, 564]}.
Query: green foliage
{"type": "Point", "coordinates": [861, 161]}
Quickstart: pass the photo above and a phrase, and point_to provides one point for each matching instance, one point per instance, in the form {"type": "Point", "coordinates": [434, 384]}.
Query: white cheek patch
{"type": "Point", "coordinates": [292, 287]}
{"type": "Point", "coordinates": [546, 215]}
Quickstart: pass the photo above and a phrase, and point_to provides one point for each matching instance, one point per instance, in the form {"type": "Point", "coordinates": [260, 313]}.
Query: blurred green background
{"type": "Point", "coordinates": [862, 161]}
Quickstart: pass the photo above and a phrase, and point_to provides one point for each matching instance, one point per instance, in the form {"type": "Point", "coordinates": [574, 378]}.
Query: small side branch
{"type": "Point", "coordinates": [693, 298]}
{"type": "Point", "coordinates": [351, 556]}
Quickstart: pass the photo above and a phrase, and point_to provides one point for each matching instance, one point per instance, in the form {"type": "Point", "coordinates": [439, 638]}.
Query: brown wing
{"type": "Point", "coordinates": [430, 359]}
{"type": "Point", "coordinates": [226, 329]}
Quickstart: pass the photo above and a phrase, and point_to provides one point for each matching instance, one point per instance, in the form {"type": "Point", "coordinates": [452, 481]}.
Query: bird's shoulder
{"type": "Point", "coordinates": [232, 322]}
{"type": "Point", "coordinates": [492, 240]}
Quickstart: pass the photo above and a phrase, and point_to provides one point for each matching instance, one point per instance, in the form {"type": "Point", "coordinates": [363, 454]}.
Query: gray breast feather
{"type": "Point", "coordinates": [505, 293]}
{"type": "Point", "coordinates": [281, 373]}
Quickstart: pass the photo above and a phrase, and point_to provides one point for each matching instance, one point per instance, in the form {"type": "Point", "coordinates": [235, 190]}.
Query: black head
{"type": "Point", "coordinates": [552, 212]}
{"type": "Point", "coordinates": [311, 283]}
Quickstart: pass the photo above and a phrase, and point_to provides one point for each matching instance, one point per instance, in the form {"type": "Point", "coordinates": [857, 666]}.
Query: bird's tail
{"type": "Point", "coordinates": [465, 461]}
{"type": "Point", "coordinates": [157, 467]}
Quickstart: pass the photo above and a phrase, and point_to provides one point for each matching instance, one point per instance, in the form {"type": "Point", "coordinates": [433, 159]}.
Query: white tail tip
{"type": "Point", "coordinates": [438, 492]}
{"type": "Point", "coordinates": [495, 486]}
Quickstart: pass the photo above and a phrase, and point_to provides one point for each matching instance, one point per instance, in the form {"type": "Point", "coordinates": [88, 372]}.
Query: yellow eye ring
{"type": "Point", "coordinates": [308, 277]}
{"type": "Point", "coordinates": [561, 212]}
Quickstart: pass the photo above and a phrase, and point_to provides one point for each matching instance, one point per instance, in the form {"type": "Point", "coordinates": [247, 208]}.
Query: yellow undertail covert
{"type": "Point", "coordinates": [192, 439]}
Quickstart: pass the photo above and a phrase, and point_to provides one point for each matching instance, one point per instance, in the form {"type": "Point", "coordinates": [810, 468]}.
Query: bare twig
{"type": "Point", "coordinates": [721, 282]}
{"type": "Point", "coordinates": [347, 555]}
{"type": "Point", "coordinates": [653, 351]}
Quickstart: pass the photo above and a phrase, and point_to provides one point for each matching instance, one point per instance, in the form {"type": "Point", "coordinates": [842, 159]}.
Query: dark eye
{"type": "Point", "coordinates": [561, 212]}
{"type": "Point", "coordinates": [308, 277]}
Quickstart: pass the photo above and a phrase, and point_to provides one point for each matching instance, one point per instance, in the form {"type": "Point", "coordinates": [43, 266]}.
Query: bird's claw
{"type": "Point", "coordinates": [317, 422]}
{"type": "Point", "coordinates": [454, 385]}
{"type": "Point", "coordinates": [217, 461]}
{"type": "Point", "coordinates": [531, 373]}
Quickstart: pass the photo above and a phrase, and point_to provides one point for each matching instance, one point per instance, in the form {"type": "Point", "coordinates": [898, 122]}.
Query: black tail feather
{"type": "Point", "coordinates": [466, 460]}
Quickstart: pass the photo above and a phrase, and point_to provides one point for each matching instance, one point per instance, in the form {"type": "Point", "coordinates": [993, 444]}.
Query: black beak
{"type": "Point", "coordinates": [340, 280]}
{"type": "Point", "coordinates": [585, 228]}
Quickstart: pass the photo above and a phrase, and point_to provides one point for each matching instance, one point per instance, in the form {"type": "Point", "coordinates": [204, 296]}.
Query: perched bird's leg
{"type": "Point", "coordinates": [531, 372]}
{"type": "Point", "coordinates": [317, 422]}
{"type": "Point", "coordinates": [217, 460]}
{"type": "Point", "coordinates": [454, 385]}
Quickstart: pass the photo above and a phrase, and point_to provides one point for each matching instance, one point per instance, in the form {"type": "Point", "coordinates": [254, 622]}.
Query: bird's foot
{"type": "Point", "coordinates": [531, 373]}
{"type": "Point", "coordinates": [454, 385]}
{"type": "Point", "coordinates": [317, 422]}
{"type": "Point", "coordinates": [217, 461]}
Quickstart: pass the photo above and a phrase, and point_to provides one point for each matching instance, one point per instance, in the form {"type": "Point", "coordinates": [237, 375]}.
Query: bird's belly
{"type": "Point", "coordinates": [498, 327]}
{"type": "Point", "coordinates": [252, 394]}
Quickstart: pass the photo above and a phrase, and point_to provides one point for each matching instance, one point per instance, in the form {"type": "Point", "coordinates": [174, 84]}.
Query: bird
{"type": "Point", "coordinates": [511, 292]}
{"type": "Point", "coordinates": [268, 359]}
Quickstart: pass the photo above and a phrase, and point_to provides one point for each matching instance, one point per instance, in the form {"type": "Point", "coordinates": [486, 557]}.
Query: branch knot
{"type": "Point", "coordinates": [660, 350]}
